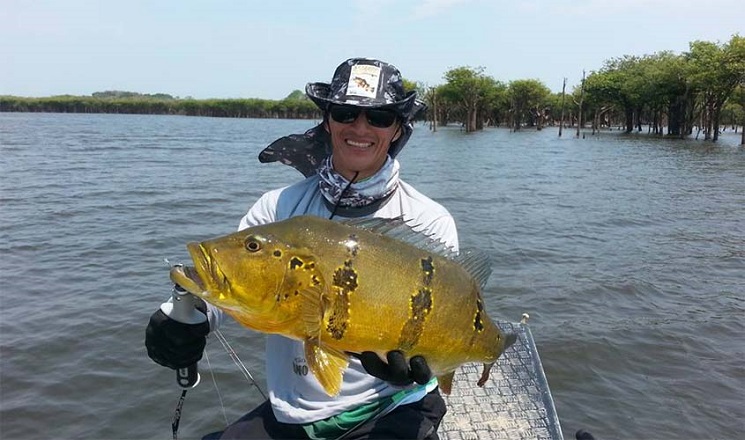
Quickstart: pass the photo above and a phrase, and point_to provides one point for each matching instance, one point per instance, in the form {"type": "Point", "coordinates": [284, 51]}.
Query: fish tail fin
{"type": "Point", "coordinates": [509, 340]}
{"type": "Point", "coordinates": [446, 382]}
{"type": "Point", "coordinates": [485, 374]}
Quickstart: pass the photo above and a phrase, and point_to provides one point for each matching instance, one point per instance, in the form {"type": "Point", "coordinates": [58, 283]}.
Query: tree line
{"type": "Point", "coordinates": [702, 89]}
{"type": "Point", "coordinates": [163, 104]}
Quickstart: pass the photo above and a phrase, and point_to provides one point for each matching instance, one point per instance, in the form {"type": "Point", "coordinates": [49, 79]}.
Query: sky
{"type": "Point", "coordinates": [268, 48]}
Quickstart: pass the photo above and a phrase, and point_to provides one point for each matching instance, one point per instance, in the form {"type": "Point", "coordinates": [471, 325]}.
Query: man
{"type": "Point", "coordinates": [367, 120]}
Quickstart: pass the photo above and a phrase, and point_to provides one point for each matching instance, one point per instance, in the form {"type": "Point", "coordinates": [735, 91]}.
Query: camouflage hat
{"type": "Point", "coordinates": [364, 82]}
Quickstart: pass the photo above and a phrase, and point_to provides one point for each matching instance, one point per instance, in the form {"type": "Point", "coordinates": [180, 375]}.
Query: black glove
{"type": "Point", "coordinates": [174, 344]}
{"type": "Point", "coordinates": [396, 371]}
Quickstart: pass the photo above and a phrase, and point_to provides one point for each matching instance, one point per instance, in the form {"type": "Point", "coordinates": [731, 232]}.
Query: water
{"type": "Point", "coordinates": [628, 252]}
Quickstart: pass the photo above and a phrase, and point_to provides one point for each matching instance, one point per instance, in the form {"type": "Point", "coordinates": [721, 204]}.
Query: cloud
{"type": "Point", "coordinates": [430, 8]}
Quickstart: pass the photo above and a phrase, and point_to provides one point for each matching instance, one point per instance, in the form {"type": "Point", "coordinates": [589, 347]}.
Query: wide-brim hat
{"type": "Point", "coordinates": [364, 82]}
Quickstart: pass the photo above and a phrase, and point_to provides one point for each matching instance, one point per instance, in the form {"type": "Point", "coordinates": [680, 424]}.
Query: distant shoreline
{"type": "Point", "coordinates": [289, 108]}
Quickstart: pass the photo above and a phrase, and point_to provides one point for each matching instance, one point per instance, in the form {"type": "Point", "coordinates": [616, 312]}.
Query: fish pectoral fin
{"type": "Point", "coordinates": [446, 382]}
{"type": "Point", "coordinates": [312, 310]}
{"type": "Point", "coordinates": [327, 365]}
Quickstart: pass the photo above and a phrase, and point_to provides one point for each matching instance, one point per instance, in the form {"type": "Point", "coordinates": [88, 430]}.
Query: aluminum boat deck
{"type": "Point", "coordinates": [515, 403]}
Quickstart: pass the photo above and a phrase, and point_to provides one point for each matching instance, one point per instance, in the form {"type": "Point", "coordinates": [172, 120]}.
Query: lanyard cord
{"type": "Point", "coordinates": [346, 188]}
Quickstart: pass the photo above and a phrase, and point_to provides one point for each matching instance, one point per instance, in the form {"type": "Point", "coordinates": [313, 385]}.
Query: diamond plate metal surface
{"type": "Point", "coordinates": [515, 403]}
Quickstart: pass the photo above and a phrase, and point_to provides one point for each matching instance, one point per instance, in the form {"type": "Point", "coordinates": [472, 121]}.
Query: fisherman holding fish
{"type": "Point", "coordinates": [317, 389]}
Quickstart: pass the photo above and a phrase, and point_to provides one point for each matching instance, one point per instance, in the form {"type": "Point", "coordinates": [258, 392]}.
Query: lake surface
{"type": "Point", "coordinates": [627, 251]}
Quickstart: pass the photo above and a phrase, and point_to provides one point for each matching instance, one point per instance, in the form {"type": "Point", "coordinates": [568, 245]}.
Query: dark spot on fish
{"type": "Point", "coordinates": [429, 270]}
{"type": "Point", "coordinates": [277, 253]}
{"type": "Point", "coordinates": [344, 283]}
{"type": "Point", "coordinates": [421, 302]}
{"type": "Point", "coordinates": [297, 292]}
{"type": "Point", "coordinates": [345, 277]}
{"type": "Point", "coordinates": [420, 305]}
{"type": "Point", "coordinates": [295, 262]}
{"type": "Point", "coordinates": [310, 266]}
{"type": "Point", "coordinates": [338, 320]}
{"type": "Point", "coordinates": [478, 324]}
{"type": "Point", "coordinates": [315, 280]}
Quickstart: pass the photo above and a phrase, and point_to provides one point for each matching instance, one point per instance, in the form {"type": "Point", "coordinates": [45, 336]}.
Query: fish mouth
{"type": "Point", "coordinates": [188, 278]}
{"type": "Point", "coordinates": [212, 279]}
{"type": "Point", "coordinates": [193, 279]}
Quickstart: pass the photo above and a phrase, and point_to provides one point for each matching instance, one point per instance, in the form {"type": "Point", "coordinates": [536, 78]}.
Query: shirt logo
{"type": "Point", "coordinates": [300, 367]}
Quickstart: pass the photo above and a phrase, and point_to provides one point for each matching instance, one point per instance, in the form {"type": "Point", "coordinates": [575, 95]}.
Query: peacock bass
{"type": "Point", "coordinates": [348, 287]}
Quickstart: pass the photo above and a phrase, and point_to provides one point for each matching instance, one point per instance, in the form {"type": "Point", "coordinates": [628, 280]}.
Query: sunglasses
{"type": "Point", "coordinates": [345, 114]}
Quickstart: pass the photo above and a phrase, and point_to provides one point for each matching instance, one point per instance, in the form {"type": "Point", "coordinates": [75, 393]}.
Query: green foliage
{"type": "Point", "coordinates": [297, 95]}
{"type": "Point", "coordinates": [118, 94]}
{"type": "Point", "coordinates": [681, 91]}
{"type": "Point", "coordinates": [471, 97]}
{"type": "Point", "coordinates": [528, 99]}
{"type": "Point", "coordinates": [291, 107]}
{"type": "Point", "coordinates": [410, 85]}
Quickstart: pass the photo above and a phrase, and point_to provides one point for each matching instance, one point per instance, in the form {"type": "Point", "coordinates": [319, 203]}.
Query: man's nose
{"type": "Point", "coordinates": [361, 120]}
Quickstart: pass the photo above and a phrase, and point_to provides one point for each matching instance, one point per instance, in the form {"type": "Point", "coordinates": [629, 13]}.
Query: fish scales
{"type": "Point", "coordinates": [348, 288]}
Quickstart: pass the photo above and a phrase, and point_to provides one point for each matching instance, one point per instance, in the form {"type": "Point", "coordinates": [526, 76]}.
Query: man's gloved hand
{"type": "Point", "coordinates": [174, 344]}
{"type": "Point", "coordinates": [396, 371]}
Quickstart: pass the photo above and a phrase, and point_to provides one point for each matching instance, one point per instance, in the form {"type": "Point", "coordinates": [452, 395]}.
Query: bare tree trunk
{"type": "Point", "coordinates": [581, 99]}
{"type": "Point", "coordinates": [595, 121]}
{"type": "Point", "coordinates": [715, 122]}
{"type": "Point", "coordinates": [563, 88]}
{"type": "Point", "coordinates": [707, 121]}
{"type": "Point", "coordinates": [472, 119]}
{"type": "Point", "coordinates": [434, 110]}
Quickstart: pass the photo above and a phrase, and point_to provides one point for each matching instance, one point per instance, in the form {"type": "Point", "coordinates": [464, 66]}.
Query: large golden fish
{"type": "Point", "coordinates": [361, 285]}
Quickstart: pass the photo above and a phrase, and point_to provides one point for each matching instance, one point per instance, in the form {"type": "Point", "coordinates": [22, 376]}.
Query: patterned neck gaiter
{"type": "Point", "coordinates": [375, 187]}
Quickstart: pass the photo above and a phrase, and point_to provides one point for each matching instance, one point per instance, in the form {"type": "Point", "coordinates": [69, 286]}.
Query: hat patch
{"type": "Point", "coordinates": [363, 80]}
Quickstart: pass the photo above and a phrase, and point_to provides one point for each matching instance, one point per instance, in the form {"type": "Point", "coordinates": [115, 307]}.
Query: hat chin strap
{"type": "Point", "coordinates": [397, 134]}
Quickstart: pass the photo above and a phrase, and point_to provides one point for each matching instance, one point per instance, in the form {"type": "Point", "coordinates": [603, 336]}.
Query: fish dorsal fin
{"type": "Point", "coordinates": [476, 263]}
{"type": "Point", "coordinates": [399, 229]}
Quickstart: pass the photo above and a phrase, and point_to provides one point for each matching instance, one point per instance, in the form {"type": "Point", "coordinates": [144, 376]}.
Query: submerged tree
{"type": "Point", "coordinates": [465, 89]}
{"type": "Point", "coordinates": [716, 71]}
{"type": "Point", "coordinates": [527, 99]}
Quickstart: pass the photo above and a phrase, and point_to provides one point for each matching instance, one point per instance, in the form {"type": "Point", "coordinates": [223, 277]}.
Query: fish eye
{"type": "Point", "coordinates": [253, 244]}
